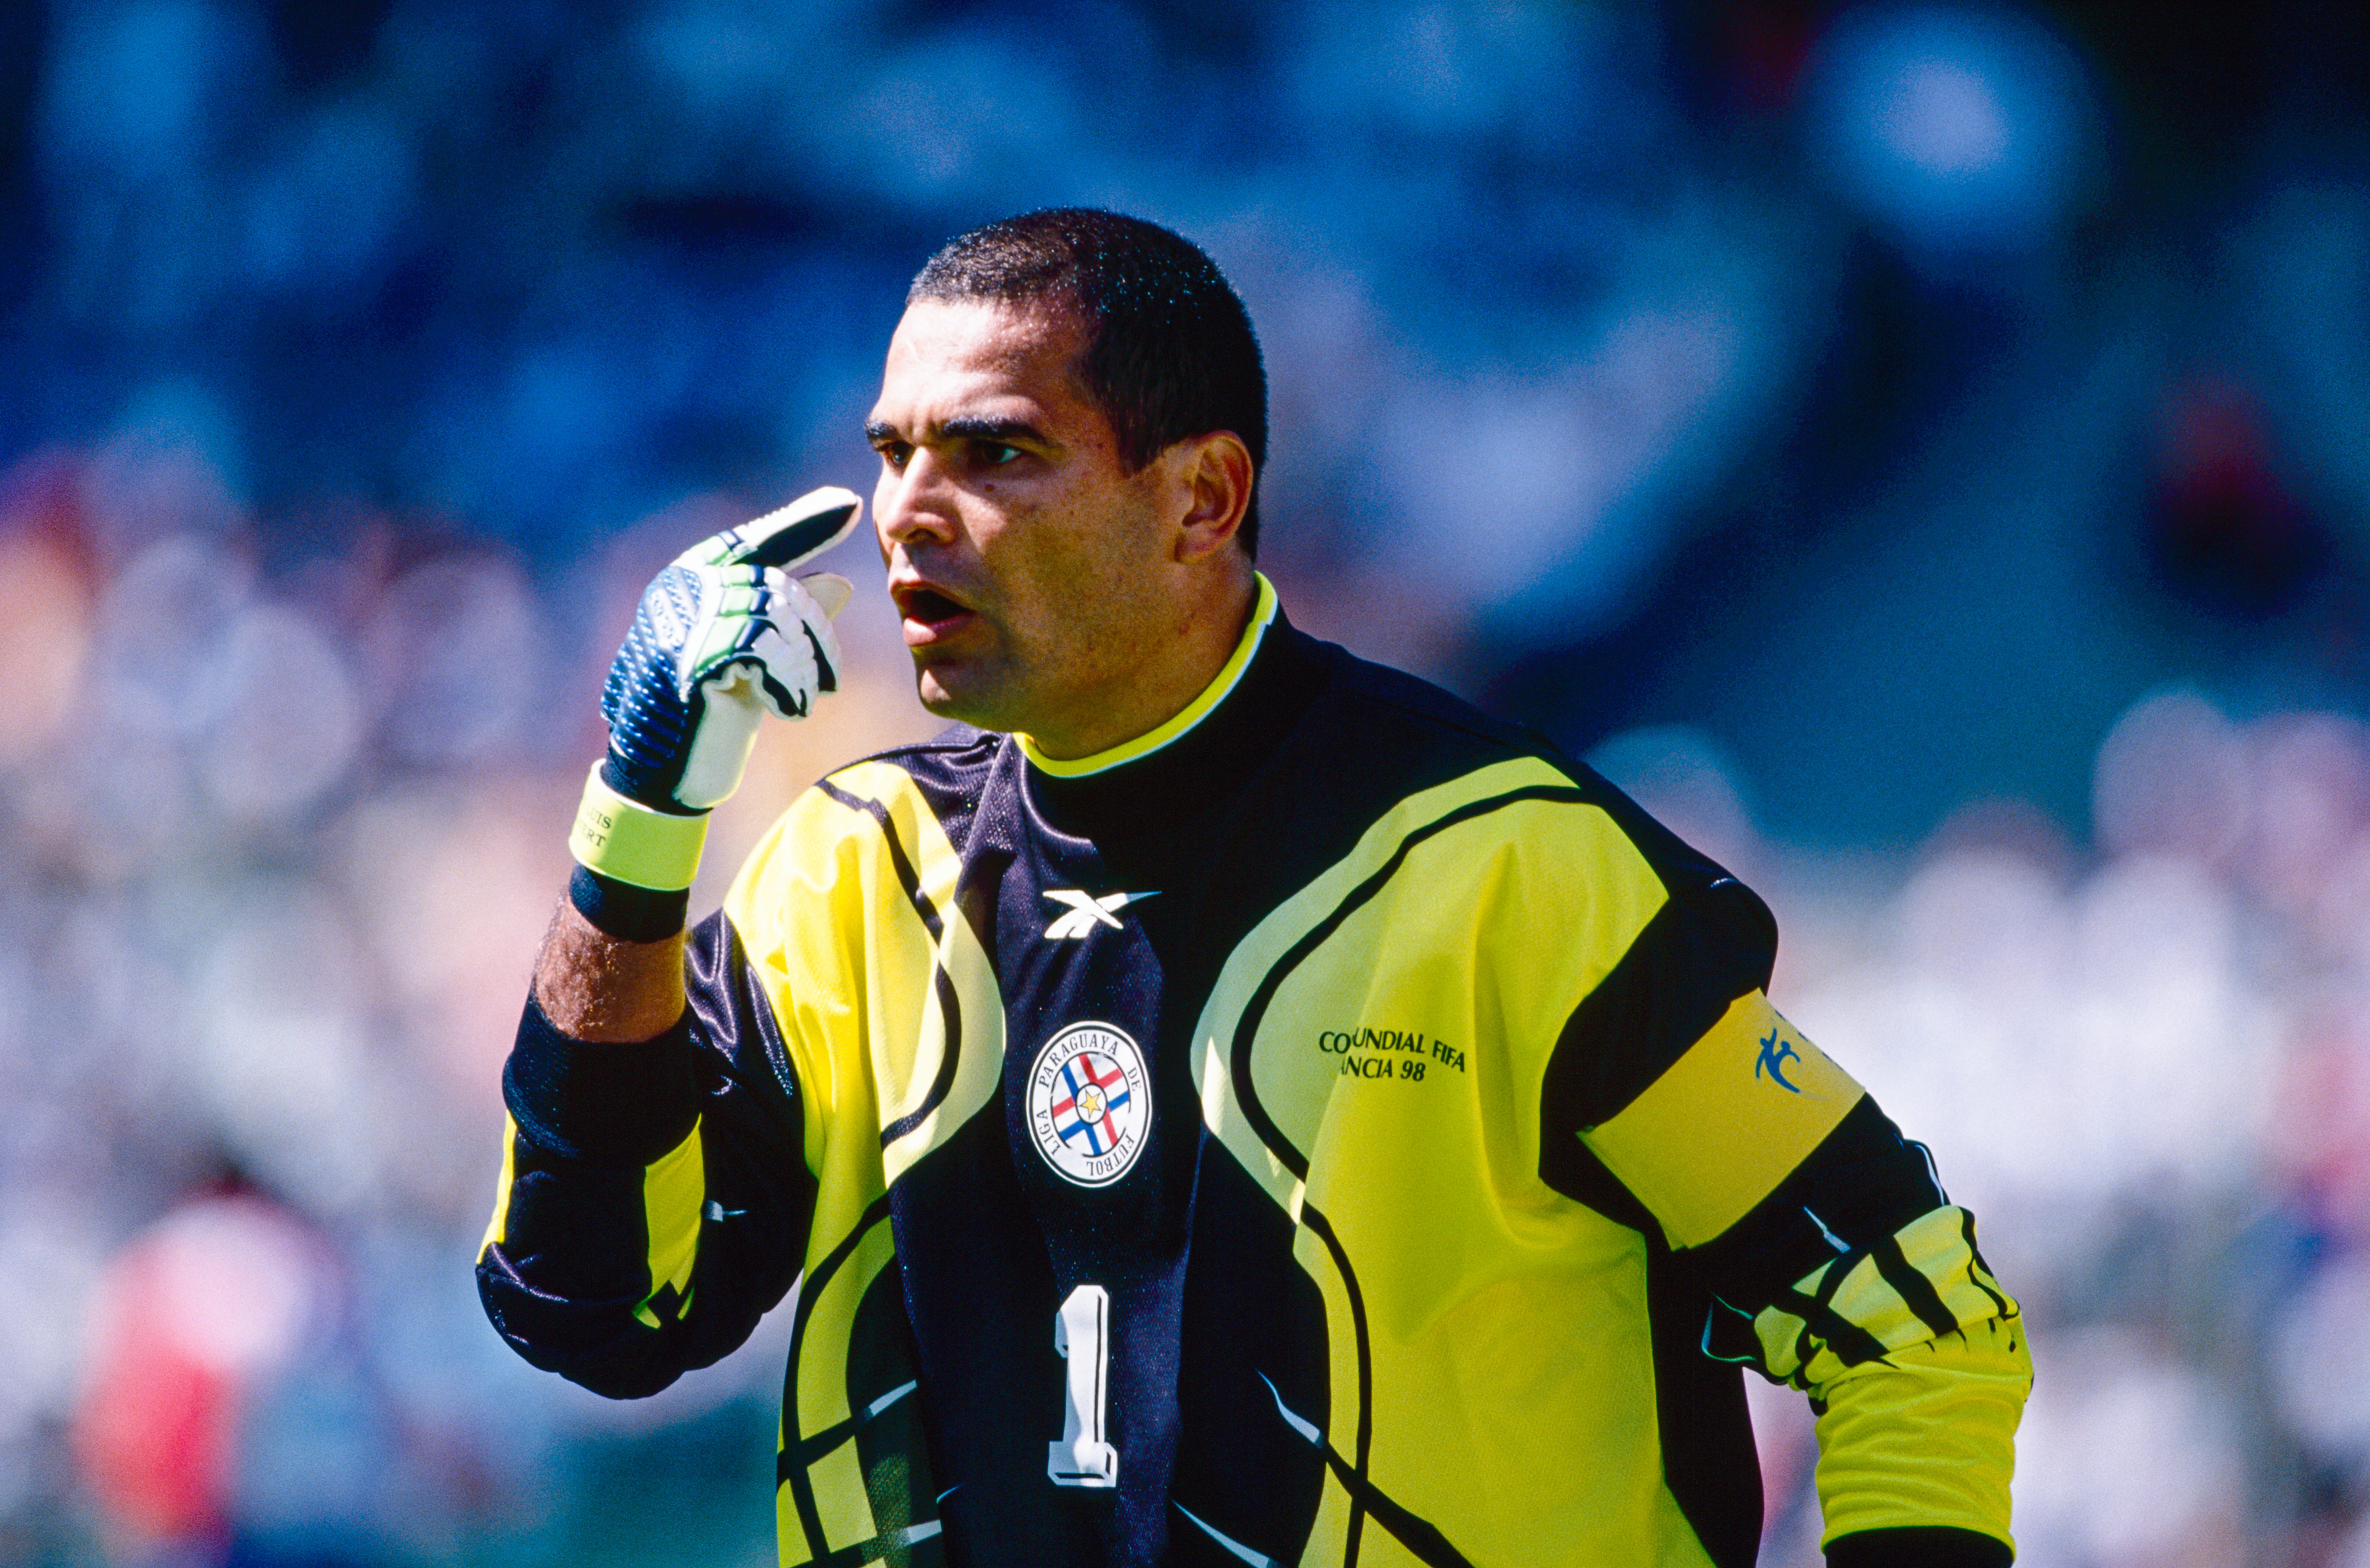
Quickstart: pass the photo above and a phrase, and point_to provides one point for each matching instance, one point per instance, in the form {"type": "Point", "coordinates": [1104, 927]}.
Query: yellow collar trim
{"type": "Point", "coordinates": [1192, 713]}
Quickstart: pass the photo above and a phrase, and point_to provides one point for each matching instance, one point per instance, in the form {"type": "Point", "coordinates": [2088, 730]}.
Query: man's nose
{"type": "Point", "coordinates": [915, 502]}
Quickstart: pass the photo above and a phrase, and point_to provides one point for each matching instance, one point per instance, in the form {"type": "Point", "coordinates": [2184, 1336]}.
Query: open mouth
{"type": "Point", "coordinates": [929, 615]}
{"type": "Point", "coordinates": [930, 606]}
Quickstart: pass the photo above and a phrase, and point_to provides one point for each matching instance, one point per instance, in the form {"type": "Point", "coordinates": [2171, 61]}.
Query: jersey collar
{"type": "Point", "coordinates": [1229, 675]}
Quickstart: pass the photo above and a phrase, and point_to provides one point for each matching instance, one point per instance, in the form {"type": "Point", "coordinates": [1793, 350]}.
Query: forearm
{"type": "Point", "coordinates": [1855, 1280]}
{"type": "Point", "coordinates": [655, 1194]}
{"type": "Point", "coordinates": [596, 1224]}
{"type": "Point", "coordinates": [605, 990]}
{"type": "Point", "coordinates": [1915, 1360]}
{"type": "Point", "coordinates": [1833, 1258]}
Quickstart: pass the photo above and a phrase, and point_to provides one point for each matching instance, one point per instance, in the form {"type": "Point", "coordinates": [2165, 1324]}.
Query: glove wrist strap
{"type": "Point", "coordinates": [629, 842]}
{"type": "Point", "coordinates": [630, 914]}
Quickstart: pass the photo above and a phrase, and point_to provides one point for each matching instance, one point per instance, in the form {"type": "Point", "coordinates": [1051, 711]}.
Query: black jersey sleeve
{"type": "Point", "coordinates": [655, 1197]}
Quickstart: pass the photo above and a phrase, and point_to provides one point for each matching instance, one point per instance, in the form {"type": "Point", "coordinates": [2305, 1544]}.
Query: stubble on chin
{"type": "Point", "coordinates": [933, 693]}
{"type": "Point", "coordinates": [959, 700]}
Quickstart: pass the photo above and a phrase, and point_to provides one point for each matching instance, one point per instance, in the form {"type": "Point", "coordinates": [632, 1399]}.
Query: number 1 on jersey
{"type": "Point", "coordinates": [1082, 1335]}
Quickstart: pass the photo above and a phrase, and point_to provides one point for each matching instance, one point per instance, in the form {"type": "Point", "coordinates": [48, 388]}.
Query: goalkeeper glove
{"type": "Point", "coordinates": [722, 637]}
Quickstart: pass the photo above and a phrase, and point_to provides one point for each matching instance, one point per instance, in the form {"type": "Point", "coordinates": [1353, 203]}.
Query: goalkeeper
{"type": "Point", "coordinates": [1221, 1101]}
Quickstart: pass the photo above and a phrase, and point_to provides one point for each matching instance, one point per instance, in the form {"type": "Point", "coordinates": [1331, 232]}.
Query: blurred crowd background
{"type": "Point", "coordinates": [1921, 450]}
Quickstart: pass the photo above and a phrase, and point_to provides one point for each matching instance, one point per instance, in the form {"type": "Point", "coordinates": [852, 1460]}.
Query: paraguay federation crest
{"type": "Point", "coordinates": [1089, 1103]}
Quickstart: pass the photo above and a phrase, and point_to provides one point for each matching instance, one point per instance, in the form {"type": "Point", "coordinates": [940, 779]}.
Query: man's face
{"type": "Point", "coordinates": [1032, 570]}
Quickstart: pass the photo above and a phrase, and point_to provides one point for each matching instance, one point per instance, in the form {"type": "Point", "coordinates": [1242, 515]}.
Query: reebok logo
{"type": "Point", "coordinates": [1085, 912]}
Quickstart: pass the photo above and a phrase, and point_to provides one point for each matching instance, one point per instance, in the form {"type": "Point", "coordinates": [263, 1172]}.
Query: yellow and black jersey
{"type": "Point", "coordinates": [1334, 1128]}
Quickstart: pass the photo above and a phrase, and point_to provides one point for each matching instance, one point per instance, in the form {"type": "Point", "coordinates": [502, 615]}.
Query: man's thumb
{"type": "Point", "coordinates": [830, 591]}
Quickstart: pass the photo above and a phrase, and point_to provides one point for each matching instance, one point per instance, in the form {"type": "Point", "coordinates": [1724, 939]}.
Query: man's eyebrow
{"type": "Point", "coordinates": [974, 427]}
{"type": "Point", "coordinates": [962, 427]}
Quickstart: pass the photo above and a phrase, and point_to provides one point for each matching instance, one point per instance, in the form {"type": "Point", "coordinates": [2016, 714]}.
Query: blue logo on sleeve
{"type": "Point", "coordinates": [1774, 1052]}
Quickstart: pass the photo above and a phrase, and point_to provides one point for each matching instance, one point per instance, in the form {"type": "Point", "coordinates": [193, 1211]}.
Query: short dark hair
{"type": "Point", "coordinates": [1170, 351]}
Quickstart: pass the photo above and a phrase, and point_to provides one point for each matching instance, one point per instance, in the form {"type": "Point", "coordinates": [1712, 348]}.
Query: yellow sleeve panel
{"type": "Point", "coordinates": [831, 912]}
{"type": "Point", "coordinates": [674, 1190]}
{"type": "Point", "coordinates": [1926, 1436]}
{"type": "Point", "coordinates": [800, 906]}
{"type": "Point", "coordinates": [1916, 1361]}
{"type": "Point", "coordinates": [1726, 1122]}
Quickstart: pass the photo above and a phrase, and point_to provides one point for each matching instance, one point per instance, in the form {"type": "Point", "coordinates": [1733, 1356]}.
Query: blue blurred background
{"type": "Point", "coordinates": [1922, 451]}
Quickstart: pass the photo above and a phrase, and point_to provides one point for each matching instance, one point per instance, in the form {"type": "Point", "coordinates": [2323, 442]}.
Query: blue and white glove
{"type": "Point", "coordinates": [723, 637]}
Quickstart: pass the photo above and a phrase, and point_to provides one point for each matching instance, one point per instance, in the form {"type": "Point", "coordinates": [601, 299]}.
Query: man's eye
{"type": "Point", "coordinates": [895, 454]}
{"type": "Point", "coordinates": [996, 453]}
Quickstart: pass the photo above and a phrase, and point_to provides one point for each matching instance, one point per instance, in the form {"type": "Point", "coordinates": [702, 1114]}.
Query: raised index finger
{"type": "Point", "coordinates": [805, 528]}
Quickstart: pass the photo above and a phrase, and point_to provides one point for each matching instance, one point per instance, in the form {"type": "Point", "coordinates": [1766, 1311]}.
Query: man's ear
{"type": "Point", "coordinates": [1217, 475]}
